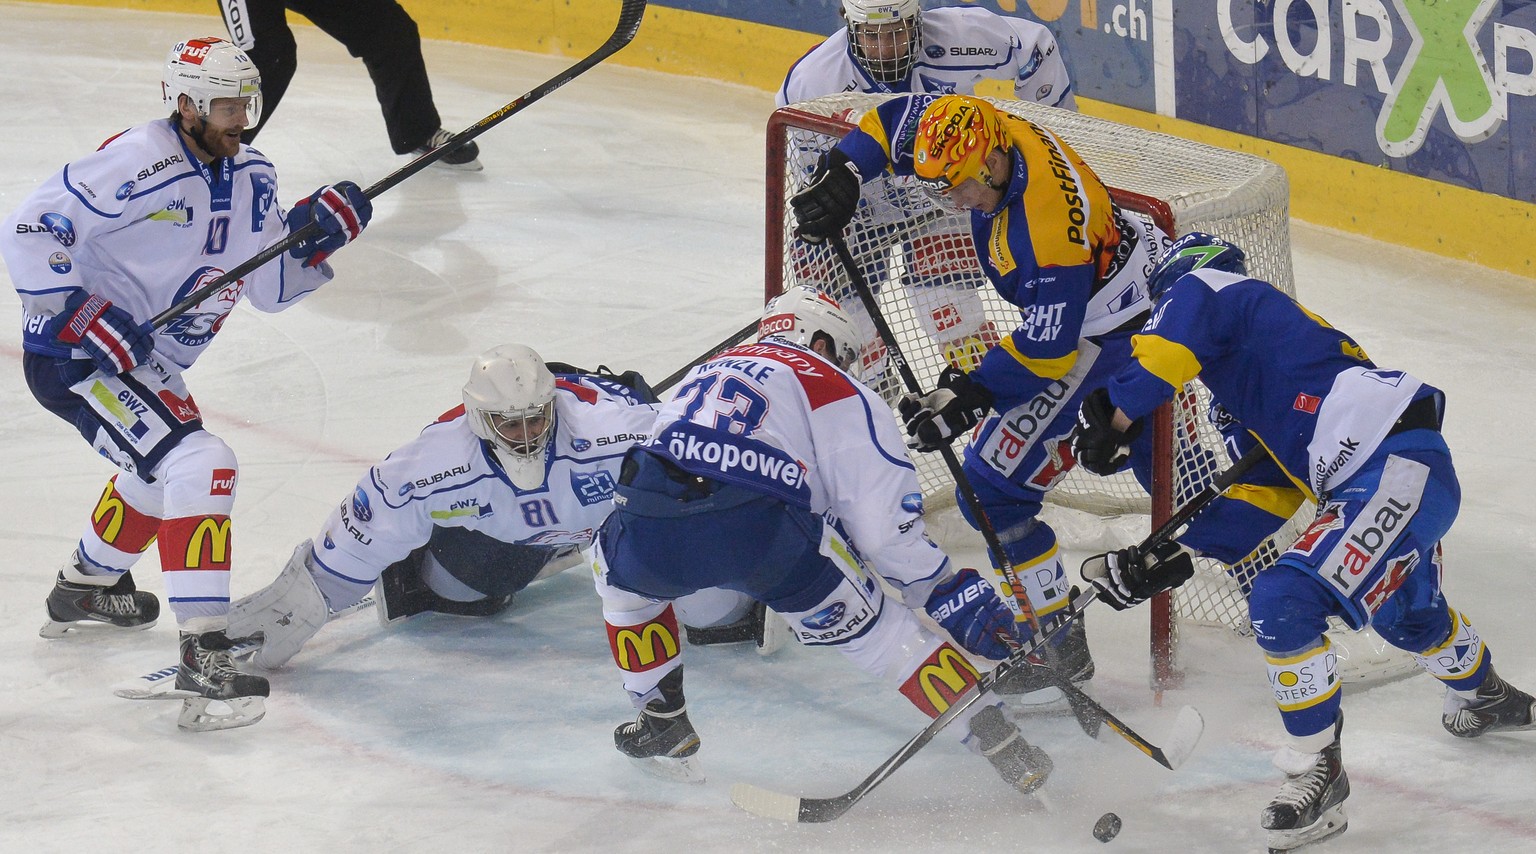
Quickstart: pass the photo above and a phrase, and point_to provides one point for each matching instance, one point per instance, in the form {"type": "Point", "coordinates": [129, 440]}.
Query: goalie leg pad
{"type": "Point", "coordinates": [286, 613]}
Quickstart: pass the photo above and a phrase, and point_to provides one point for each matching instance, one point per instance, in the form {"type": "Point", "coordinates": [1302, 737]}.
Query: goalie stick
{"type": "Point", "coordinates": [1188, 725]}
{"type": "Point", "coordinates": [161, 684]}
{"type": "Point", "coordinates": [1085, 709]}
{"type": "Point", "coordinates": [630, 14]}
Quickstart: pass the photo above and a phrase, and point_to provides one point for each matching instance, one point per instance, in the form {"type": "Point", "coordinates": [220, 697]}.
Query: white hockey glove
{"type": "Point", "coordinates": [1127, 578]}
{"type": "Point", "coordinates": [286, 613]}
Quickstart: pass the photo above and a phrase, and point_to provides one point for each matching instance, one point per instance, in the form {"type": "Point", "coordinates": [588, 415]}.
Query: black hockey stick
{"type": "Point", "coordinates": [1187, 726]}
{"type": "Point", "coordinates": [629, 23]}
{"type": "Point", "coordinates": [1088, 712]}
{"type": "Point", "coordinates": [735, 338]}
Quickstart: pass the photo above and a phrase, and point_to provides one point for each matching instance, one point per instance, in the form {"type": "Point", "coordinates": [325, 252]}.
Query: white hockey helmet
{"type": "Point", "coordinates": [510, 403]}
{"type": "Point", "coordinates": [885, 36]}
{"type": "Point", "coordinates": [207, 68]}
{"type": "Point", "coordinates": [802, 316]}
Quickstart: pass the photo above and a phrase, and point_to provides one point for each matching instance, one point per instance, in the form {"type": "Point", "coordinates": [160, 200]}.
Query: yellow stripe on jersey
{"type": "Point", "coordinates": [1302, 485]}
{"type": "Point", "coordinates": [1051, 369]}
{"type": "Point", "coordinates": [1169, 361]}
{"type": "Point", "coordinates": [1281, 501]}
{"type": "Point", "coordinates": [997, 245]}
{"type": "Point", "coordinates": [871, 125]}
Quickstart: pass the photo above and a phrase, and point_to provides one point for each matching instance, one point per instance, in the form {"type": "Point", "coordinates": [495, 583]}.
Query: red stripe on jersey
{"type": "Point", "coordinates": [583, 394]}
{"type": "Point", "coordinates": [450, 414]}
{"type": "Point", "coordinates": [823, 383]}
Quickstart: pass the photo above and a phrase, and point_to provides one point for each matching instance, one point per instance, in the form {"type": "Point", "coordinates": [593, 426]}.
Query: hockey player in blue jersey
{"type": "Point", "coordinates": [1361, 441]}
{"type": "Point", "coordinates": [98, 250]}
{"type": "Point", "coordinates": [773, 472]}
{"type": "Point", "coordinates": [1053, 243]}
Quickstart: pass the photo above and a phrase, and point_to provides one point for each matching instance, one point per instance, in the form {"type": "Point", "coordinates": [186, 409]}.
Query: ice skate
{"type": "Point", "coordinates": [120, 605]}
{"type": "Point", "coordinates": [1033, 687]}
{"type": "Point", "coordinates": [1020, 764]}
{"type": "Point", "coordinates": [661, 740]}
{"type": "Point", "coordinates": [1498, 706]}
{"type": "Point", "coordinates": [206, 674]}
{"type": "Point", "coordinates": [465, 158]}
{"type": "Point", "coordinates": [1310, 805]}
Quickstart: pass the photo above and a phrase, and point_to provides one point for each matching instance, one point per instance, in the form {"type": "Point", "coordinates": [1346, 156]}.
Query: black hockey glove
{"type": "Point", "coordinates": [936, 419]}
{"type": "Point", "coordinates": [1127, 577]}
{"type": "Point", "coordinates": [825, 208]}
{"type": "Point", "coordinates": [1096, 444]}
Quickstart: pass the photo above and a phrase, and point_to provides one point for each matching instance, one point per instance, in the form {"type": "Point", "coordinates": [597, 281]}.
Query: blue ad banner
{"type": "Point", "coordinates": [1440, 89]}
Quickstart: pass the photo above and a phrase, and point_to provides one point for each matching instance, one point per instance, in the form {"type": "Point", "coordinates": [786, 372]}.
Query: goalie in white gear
{"type": "Point", "coordinates": [109, 242]}
{"type": "Point", "coordinates": [502, 491]}
{"type": "Point", "coordinates": [894, 46]}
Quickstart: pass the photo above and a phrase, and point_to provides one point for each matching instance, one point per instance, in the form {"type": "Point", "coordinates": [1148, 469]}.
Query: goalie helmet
{"type": "Point", "coordinates": [954, 137]}
{"type": "Point", "coordinates": [510, 403]}
{"type": "Point", "coordinates": [1195, 251]}
{"type": "Point", "coordinates": [208, 68]}
{"type": "Point", "coordinates": [800, 315]}
{"type": "Point", "coordinates": [884, 36]}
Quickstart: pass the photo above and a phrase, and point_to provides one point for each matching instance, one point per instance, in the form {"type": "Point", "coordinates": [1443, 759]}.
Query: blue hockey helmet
{"type": "Point", "coordinates": [1194, 251]}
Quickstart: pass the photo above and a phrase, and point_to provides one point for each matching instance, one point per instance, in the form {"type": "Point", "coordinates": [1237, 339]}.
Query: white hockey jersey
{"type": "Point", "coordinates": [143, 222]}
{"type": "Point", "coordinates": [447, 477]}
{"type": "Point", "coordinates": [961, 46]}
{"type": "Point", "coordinates": [779, 419]}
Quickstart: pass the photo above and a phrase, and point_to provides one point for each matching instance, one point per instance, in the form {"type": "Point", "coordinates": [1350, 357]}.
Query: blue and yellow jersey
{"type": "Point", "coordinates": [1047, 248]}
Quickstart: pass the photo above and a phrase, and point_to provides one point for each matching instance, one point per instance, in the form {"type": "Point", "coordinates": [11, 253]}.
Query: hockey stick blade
{"type": "Point", "coordinates": [630, 14]}
{"type": "Point", "coordinates": [161, 684]}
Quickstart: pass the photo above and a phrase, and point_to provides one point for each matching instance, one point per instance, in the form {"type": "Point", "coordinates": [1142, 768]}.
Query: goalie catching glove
{"type": "Point", "coordinates": [967, 607]}
{"type": "Point", "coordinates": [936, 419]}
{"type": "Point", "coordinates": [341, 210]}
{"type": "Point", "coordinates": [826, 206]}
{"type": "Point", "coordinates": [1127, 578]}
{"type": "Point", "coordinates": [1096, 444]}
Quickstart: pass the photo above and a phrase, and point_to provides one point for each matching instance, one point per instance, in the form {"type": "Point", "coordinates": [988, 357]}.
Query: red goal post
{"type": "Point", "coordinates": [898, 235]}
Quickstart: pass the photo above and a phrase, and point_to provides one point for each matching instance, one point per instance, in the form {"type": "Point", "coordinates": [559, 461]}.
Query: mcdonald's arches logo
{"type": "Point", "coordinates": [637, 649]}
{"type": "Point", "coordinates": [940, 680]}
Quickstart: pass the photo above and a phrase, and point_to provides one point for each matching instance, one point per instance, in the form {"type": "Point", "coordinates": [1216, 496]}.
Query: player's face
{"type": "Point", "coordinates": [885, 43]}
{"type": "Point", "coordinates": [523, 432]}
{"type": "Point", "coordinates": [972, 195]}
{"type": "Point", "coordinates": [227, 118]}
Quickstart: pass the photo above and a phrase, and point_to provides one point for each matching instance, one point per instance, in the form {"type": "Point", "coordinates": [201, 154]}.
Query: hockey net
{"type": "Point", "coordinates": [900, 234]}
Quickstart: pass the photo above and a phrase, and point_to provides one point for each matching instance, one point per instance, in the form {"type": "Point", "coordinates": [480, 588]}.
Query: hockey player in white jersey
{"type": "Point", "coordinates": [1361, 441]}
{"type": "Point", "coordinates": [896, 47]}
{"type": "Point", "coordinates": [499, 492]}
{"type": "Point", "coordinates": [774, 472]}
{"type": "Point", "coordinates": [96, 251]}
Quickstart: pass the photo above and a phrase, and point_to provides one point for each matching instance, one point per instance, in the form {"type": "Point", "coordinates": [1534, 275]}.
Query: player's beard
{"type": "Point", "coordinates": [215, 141]}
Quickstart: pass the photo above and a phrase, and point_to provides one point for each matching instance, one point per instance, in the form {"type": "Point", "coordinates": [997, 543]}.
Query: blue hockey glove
{"type": "Point", "coordinates": [936, 419]}
{"type": "Point", "coordinates": [109, 335]}
{"type": "Point", "coordinates": [342, 211]}
{"type": "Point", "coordinates": [1096, 444]}
{"type": "Point", "coordinates": [825, 208]}
{"type": "Point", "coordinates": [1127, 578]}
{"type": "Point", "coordinates": [968, 608]}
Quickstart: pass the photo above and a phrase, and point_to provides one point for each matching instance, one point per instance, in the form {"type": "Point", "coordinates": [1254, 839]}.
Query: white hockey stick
{"type": "Point", "coordinates": [161, 684]}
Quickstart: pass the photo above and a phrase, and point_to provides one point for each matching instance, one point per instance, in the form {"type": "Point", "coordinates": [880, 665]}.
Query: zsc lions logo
{"type": "Point", "coordinates": [198, 326]}
{"type": "Point", "coordinates": [60, 227]}
{"type": "Point", "coordinates": [826, 618]}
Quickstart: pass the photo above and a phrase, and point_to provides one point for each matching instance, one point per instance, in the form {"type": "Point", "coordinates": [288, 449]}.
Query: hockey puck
{"type": "Point", "coordinates": [1107, 827]}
